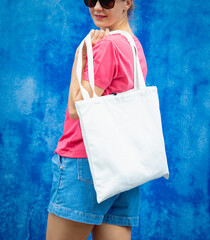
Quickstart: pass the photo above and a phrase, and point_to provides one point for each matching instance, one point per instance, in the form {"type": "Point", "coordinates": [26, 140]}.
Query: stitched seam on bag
{"type": "Point", "coordinates": [75, 211]}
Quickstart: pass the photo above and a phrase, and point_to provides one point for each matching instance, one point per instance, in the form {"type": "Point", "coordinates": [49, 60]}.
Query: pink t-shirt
{"type": "Point", "coordinates": [113, 71]}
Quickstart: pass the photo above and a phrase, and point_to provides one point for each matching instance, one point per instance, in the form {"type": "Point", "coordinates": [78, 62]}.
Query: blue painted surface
{"type": "Point", "coordinates": [38, 41]}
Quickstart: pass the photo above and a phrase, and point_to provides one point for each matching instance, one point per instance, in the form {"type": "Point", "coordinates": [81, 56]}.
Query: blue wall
{"type": "Point", "coordinates": [37, 45]}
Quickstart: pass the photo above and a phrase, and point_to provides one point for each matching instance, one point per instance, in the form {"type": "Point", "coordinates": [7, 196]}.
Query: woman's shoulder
{"type": "Point", "coordinates": [116, 45]}
{"type": "Point", "coordinates": [116, 41]}
{"type": "Point", "coordinates": [104, 44]}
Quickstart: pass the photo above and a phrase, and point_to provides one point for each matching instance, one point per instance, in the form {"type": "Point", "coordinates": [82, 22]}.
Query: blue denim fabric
{"type": "Point", "coordinates": [73, 196]}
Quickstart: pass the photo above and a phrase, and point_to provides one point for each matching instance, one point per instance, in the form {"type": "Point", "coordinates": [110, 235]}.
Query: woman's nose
{"type": "Point", "coordinates": [98, 6]}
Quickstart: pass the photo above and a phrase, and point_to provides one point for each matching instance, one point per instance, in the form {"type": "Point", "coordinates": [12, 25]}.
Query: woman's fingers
{"type": "Point", "coordinates": [97, 35]}
{"type": "Point", "coordinates": [107, 32]}
{"type": "Point", "coordinates": [92, 32]}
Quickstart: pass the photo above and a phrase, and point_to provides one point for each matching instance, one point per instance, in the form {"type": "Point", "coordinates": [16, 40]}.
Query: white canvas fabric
{"type": "Point", "coordinates": [122, 133]}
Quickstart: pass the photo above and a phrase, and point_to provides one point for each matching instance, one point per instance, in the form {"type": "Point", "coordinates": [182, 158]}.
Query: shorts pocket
{"type": "Point", "coordinates": [57, 160]}
{"type": "Point", "coordinates": [83, 170]}
{"type": "Point", "coordinates": [57, 167]}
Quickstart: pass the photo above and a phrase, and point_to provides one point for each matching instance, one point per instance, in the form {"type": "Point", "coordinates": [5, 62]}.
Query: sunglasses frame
{"type": "Point", "coordinates": [101, 3]}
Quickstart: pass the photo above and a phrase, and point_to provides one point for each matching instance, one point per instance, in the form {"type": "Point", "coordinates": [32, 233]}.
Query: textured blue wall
{"type": "Point", "coordinates": [37, 45]}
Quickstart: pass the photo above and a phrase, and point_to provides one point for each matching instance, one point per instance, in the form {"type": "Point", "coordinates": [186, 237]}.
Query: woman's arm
{"type": "Point", "coordinates": [74, 90]}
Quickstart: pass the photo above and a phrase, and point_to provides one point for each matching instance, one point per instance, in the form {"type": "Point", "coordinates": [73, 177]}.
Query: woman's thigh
{"type": "Point", "coordinates": [63, 229]}
{"type": "Point", "coordinates": [109, 231]}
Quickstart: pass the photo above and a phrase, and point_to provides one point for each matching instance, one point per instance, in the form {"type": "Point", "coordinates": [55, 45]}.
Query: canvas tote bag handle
{"type": "Point", "coordinates": [84, 92]}
{"type": "Point", "coordinates": [139, 82]}
{"type": "Point", "coordinates": [138, 75]}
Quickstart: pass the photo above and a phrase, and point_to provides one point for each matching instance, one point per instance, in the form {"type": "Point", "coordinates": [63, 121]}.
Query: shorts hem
{"type": "Point", "coordinates": [87, 218]}
{"type": "Point", "coordinates": [122, 221]}
{"type": "Point", "coordinates": [74, 214]}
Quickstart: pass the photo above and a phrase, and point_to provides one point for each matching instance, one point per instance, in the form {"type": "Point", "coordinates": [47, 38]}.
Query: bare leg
{"type": "Point", "coordinates": [109, 231]}
{"type": "Point", "coordinates": [63, 229]}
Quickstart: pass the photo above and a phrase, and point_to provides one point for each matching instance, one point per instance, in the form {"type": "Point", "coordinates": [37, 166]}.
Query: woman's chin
{"type": "Point", "coordinates": [100, 24]}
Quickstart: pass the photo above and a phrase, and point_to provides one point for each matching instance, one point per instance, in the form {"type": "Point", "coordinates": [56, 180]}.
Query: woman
{"type": "Point", "coordinates": [73, 209]}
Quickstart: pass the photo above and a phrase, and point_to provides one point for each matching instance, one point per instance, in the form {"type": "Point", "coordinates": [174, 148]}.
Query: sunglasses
{"type": "Point", "coordinates": [107, 4]}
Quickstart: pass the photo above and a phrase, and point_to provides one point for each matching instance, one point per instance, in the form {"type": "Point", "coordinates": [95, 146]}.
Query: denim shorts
{"type": "Point", "coordinates": [73, 196]}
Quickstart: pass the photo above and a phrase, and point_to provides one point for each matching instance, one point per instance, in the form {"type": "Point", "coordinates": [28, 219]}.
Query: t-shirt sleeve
{"type": "Point", "coordinates": [105, 63]}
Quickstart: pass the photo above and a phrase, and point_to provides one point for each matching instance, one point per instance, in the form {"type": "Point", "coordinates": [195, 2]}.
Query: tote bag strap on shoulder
{"type": "Point", "coordinates": [138, 75]}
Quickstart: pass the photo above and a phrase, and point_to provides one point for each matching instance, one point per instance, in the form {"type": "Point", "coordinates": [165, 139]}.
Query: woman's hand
{"type": "Point", "coordinates": [74, 91]}
{"type": "Point", "coordinates": [96, 35]}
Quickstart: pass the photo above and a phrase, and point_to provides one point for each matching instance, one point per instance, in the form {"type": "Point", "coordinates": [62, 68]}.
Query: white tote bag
{"type": "Point", "coordinates": [122, 133]}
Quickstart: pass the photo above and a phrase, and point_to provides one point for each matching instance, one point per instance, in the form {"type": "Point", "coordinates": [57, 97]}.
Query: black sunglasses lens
{"type": "Point", "coordinates": [108, 4]}
{"type": "Point", "coordinates": [90, 3]}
